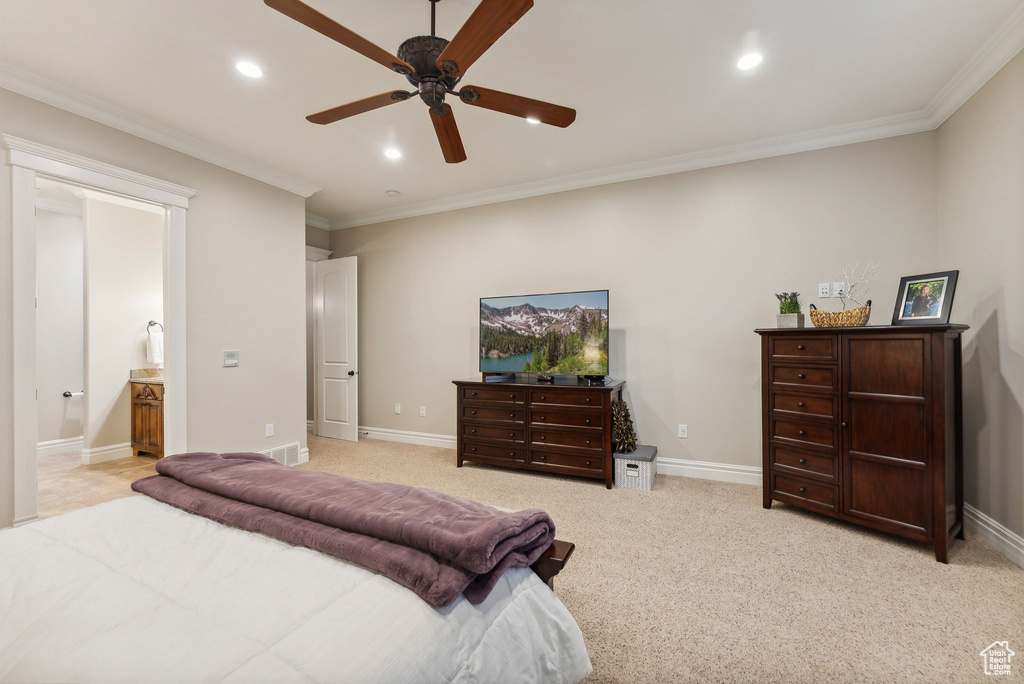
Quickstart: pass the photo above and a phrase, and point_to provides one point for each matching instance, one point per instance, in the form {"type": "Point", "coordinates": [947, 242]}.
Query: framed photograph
{"type": "Point", "coordinates": [925, 299]}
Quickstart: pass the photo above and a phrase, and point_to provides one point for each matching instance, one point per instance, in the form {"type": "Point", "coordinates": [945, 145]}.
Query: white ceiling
{"type": "Point", "coordinates": [651, 79]}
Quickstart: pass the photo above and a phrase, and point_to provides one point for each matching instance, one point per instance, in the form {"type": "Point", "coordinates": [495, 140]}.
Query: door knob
{"type": "Point", "coordinates": [351, 373]}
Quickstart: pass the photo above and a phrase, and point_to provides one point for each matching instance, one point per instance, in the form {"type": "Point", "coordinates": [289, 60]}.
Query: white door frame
{"type": "Point", "coordinates": [29, 159]}
{"type": "Point", "coordinates": [315, 254]}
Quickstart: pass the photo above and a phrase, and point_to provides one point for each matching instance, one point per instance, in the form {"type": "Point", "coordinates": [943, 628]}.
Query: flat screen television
{"type": "Point", "coordinates": [564, 332]}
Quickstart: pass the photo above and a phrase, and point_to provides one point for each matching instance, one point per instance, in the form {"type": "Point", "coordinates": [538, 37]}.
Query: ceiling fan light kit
{"type": "Point", "coordinates": [435, 66]}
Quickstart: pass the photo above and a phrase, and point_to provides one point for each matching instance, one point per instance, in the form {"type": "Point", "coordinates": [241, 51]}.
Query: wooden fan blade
{"type": "Point", "coordinates": [304, 14]}
{"type": "Point", "coordinates": [488, 22]}
{"type": "Point", "coordinates": [516, 105]}
{"type": "Point", "coordinates": [358, 107]}
{"type": "Point", "coordinates": [448, 134]}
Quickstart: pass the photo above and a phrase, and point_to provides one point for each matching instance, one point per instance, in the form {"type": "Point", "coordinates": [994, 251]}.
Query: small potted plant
{"type": "Point", "coordinates": [789, 310]}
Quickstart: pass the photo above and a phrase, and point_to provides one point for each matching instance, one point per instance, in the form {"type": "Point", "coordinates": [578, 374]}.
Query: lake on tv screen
{"type": "Point", "coordinates": [556, 333]}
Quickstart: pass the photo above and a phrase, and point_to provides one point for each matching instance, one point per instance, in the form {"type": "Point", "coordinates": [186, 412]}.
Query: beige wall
{"type": "Point", "coordinates": [59, 323]}
{"type": "Point", "coordinates": [124, 290]}
{"type": "Point", "coordinates": [691, 261]}
{"type": "Point", "coordinates": [245, 285]}
{"type": "Point", "coordinates": [981, 216]}
{"type": "Point", "coordinates": [318, 237]}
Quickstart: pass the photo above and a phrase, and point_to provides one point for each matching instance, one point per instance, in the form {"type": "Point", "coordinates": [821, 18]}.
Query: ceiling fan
{"type": "Point", "coordinates": [435, 66]}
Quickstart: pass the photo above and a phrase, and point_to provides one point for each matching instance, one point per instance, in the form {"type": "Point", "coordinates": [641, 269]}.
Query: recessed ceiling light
{"type": "Point", "coordinates": [393, 193]}
{"type": "Point", "coordinates": [749, 61]}
{"type": "Point", "coordinates": [393, 153]}
{"type": "Point", "coordinates": [249, 69]}
{"type": "Point", "coordinates": [533, 120]}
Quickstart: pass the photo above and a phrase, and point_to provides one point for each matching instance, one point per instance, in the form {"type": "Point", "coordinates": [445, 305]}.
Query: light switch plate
{"type": "Point", "coordinates": [270, 430]}
{"type": "Point", "coordinates": [398, 408]}
{"type": "Point", "coordinates": [423, 410]}
{"type": "Point", "coordinates": [683, 431]}
{"type": "Point", "coordinates": [231, 358]}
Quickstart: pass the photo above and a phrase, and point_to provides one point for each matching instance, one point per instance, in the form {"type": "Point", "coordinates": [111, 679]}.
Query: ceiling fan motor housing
{"type": "Point", "coordinates": [422, 52]}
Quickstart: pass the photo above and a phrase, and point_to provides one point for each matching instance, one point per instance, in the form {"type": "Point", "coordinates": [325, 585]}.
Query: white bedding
{"type": "Point", "coordinates": [137, 591]}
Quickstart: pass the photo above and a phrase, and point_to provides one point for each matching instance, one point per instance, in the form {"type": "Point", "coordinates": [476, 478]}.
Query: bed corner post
{"type": "Point", "coordinates": [552, 561]}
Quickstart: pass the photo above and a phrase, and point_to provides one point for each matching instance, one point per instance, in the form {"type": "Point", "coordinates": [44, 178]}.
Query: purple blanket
{"type": "Point", "coordinates": [438, 546]}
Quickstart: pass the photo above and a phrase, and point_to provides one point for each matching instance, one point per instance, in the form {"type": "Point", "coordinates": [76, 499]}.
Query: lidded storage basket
{"type": "Point", "coordinates": [637, 469]}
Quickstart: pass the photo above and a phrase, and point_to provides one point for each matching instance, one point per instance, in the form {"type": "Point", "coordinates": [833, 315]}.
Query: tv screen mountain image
{"type": "Point", "coordinates": [550, 333]}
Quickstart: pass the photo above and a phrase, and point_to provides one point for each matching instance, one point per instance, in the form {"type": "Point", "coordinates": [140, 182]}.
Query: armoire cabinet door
{"type": "Point", "coordinates": [886, 395]}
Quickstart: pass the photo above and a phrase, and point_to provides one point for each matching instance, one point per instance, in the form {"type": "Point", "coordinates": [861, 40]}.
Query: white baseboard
{"type": "Point", "coordinates": [309, 425]}
{"type": "Point", "coordinates": [25, 521]}
{"type": "Point", "coordinates": [407, 437]}
{"type": "Point", "coordinates": [107, 453]}
{"type": "Point", "coordinates": [706, 470]}
{"type": "Point", "coordinates": [303, 456]}
{"type": "Point", "coordinates": [59, 446]}
{"type": "Point", "coordinates": [1001, 538]}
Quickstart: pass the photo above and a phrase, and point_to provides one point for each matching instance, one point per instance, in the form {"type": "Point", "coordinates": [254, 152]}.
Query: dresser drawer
{"type": "Point", "coordinates": [549, 416]}
{"type": "Point", "coordinates": [583, 439]}
{"type": "Point", "coordinates": [807, 432]}
{"type": "Point", "coordinates": [494, 394]}
{"type": "Point", "coordinates": [555, 460]}
{"type": "Point", "coordinates": [811, 464]}
{"type": "Point", "coordinates": [566, 397]}
{"type": "Point", "coordinates": [811, 405]}
{"type": "Point", "coordinates": [809, 377]}
{"type": "Point", "coordinates": [473, 450]}
{"type": "Point", "coordinates": [493, 432]}
{"type": "Point", "coordinates": [493, 414]}
{"type": "Point", "coordinates": [811, 348]}
{"type": "Point", "coordinates": [804, 491]}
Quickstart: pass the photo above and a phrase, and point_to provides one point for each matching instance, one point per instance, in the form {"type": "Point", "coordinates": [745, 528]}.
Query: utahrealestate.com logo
{"type": "Point", "coordinates": [997, 658]}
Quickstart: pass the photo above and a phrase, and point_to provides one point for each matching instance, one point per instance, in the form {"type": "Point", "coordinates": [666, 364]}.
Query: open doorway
{"type": "Point", "coordinates": [99, 346]}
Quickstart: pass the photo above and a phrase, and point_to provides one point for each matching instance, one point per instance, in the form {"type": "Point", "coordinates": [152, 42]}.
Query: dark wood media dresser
{"type": "Point", "coordinates": [865, 424]}
{"type": "Point", "coordinates": [563, 427]}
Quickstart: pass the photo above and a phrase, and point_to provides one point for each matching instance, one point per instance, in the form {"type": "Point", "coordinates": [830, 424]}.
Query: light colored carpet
{"type": "Point", "coordinates": [695, 581]}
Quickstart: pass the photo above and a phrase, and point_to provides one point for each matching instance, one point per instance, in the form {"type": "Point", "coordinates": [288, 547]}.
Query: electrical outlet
{"type": "Point", "coordinates": [823, 290]}
{"type": "Point", "coordinates": [398, 408]}
{"type": "Point", "coordinates": [838, 290]}
{"type": "Point", "coordinates": [423, 410]}
{"type": "Point", "coordinates": [270, 429]}
{"type": "Point", "coordinates": [682, 431]}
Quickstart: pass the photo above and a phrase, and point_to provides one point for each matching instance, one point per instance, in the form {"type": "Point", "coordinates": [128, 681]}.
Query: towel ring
{"type": "Point", "coordinates": [152, 323]}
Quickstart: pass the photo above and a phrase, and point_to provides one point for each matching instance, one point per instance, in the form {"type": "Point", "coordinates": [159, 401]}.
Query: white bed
{"type": "Point", "coordinates": [137, 591]}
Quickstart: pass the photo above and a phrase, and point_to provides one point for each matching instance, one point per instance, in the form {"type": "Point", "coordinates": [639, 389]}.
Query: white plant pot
{"type": "Point", "coordinates": [789, 320]}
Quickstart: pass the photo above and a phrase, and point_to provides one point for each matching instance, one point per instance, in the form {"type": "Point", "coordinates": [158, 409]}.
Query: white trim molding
{"type": "Point", "coordinates": [55, 163]}
{"type": "Point", "coordinates": [60, 206]}
{"type": "Point", "coordinates": [317, 254]}
{"type": "Point", "coordinates": [59, 446]}
{"type": "Point", "coordinates": [314, 221]}
{"type": "Point", "coordinates": [998, 536]}
{"type": "Point", "coordinates": [38, 88]}
{"type": "Point", "coordinates": [408, 437]}
{"type": "Point", "coordinates": [106, 453]}
{"type": "Point", "coordinates": [708, 470]}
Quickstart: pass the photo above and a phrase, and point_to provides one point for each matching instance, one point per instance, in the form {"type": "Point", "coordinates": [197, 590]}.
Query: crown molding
{"type": "Point", "coordinates": [38, 88]}
{"type": "Point", "coordinates": [314, 221]}
{"type": "Point", "coordinates": [1004, 44]}
{"type": "Point", "coordinates": [835, 136]}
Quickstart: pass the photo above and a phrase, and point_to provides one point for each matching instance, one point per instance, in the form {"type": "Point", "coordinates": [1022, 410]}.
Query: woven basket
{"type": "Point", "coordinates": [849, 318]}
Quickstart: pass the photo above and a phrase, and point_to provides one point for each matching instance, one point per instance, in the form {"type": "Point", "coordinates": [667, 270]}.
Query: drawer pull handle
{"type": "Point", "coordinates": [588, 462]}
{"type": "Point", "coordinates": [543, 458]}
{"type": "Point", "coordinates": [511, 434]}
{"type": "Point", "coordinates": [588, 400]}
{"type": "Point", "coordinates": [800, 404]}
{"type": "Point", "coordinates": [511, 415]}
{"type": "Point", "coordinates": [843, 424]}
{"type": "Point", "coordinates": [473, 449]}
{"type": "Point", "coordinates": [800, 347]}
{"type": "Point", "coordinates": [473, 394]}
{"type": "Point", "coordinates": [472, 413]}
{"type": "Point", "coordinates": [511, 396]}
{"type": "Point", "coordinates": [801, 432]}
{"type": "Point", "coordinates": [800, 375]}
{"type": "Point", "coordinates": [512, 454]}
{"type": "Point", "coordinates": [473, 431]}
{"type": "Point", "coordinates": [803, 489]}
{"type": "Point", "coordinates": [543, 398]}
{"type": "Point", "coordinates": [543, 417]}
{"type": "Point", "coordinates": [588, 421]}
{"type": "Point", "coordinates": [802, 460]}
{"type": "Point", "coordinates": [542, 438]}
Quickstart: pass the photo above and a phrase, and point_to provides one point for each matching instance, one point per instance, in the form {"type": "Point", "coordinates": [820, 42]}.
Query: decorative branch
{"type": "Point", "coordinates": [855, 286]}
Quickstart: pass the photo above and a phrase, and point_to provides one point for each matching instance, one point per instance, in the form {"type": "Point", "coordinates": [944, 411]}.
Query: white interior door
{"type": "Point", "coordinates": [336, 351]}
